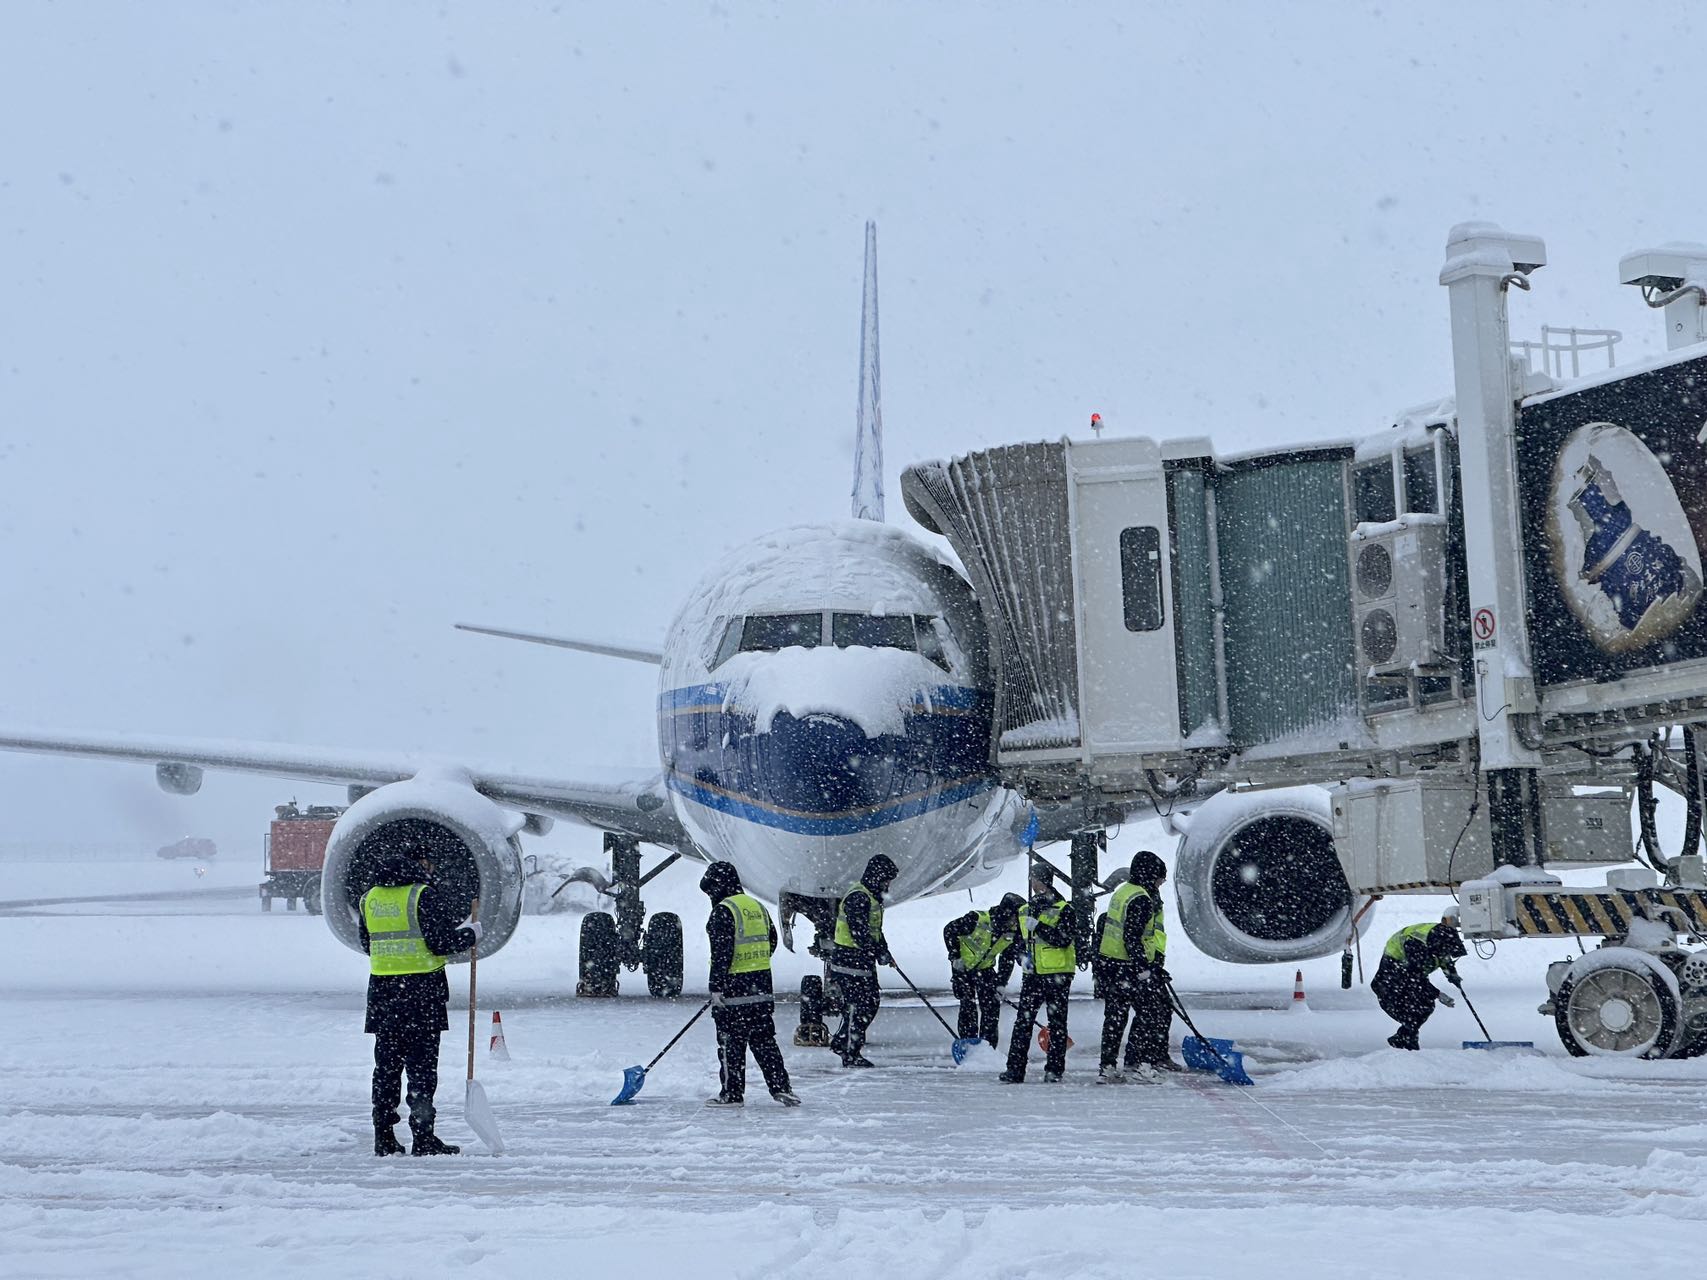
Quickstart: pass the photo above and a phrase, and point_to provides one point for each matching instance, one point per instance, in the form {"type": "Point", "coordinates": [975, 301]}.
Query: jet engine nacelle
{"type": "Point", "coordinates": [1258, 880]}
{"type": "Point", "coordinates": [473, 844]}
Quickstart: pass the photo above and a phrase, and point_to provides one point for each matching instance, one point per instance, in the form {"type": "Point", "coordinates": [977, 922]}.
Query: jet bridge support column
{"type": "Point", "coordinates": [1482, 263]}
{"type": "Point", "coordinates": [1082, 867]}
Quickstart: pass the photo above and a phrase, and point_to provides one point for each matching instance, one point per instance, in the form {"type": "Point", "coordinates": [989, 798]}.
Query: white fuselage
{"type": "Point", "coordinates": [824, 697]}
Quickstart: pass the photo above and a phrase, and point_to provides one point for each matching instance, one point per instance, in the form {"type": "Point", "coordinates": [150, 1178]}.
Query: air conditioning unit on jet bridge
{"type": "Point", "coordinates": [1398, 575]}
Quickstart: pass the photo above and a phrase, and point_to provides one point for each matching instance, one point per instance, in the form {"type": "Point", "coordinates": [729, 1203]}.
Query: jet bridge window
{"type": "Point", "coordinates": [1422, 494]}
{"type": "Point", "coordinates": [767, 633]}
{"type": "Point", "coordinates": [1372, 492]}
{"type": "Point", "coordinates": [1141, 577]}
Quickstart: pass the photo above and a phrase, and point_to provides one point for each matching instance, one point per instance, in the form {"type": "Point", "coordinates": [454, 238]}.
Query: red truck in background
{"type": "Point", "coordinates": [295, 852]}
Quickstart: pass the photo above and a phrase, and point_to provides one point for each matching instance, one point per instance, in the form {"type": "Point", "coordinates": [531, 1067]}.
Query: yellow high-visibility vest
{"type": "Point", "coordinates": [844, 937]}
{"type": "Point", "coordinates": [980, 949]}
{"type": "Point", "coordinates": [1113, 944]}
{"type": "Point", "coordinates": [394, 941]}
{"type": "Point", "coordinates": [752, 934]}
{"type": "Point", "coordinates": [1042, 957]}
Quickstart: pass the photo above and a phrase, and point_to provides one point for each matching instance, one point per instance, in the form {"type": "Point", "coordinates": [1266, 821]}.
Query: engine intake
{"type": "Point", "coordinates": [1258, 880]}
{"type": "Point", "coordinates": [475, 852]}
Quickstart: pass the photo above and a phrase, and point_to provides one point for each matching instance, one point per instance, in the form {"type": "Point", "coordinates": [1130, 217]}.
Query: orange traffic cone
{"type": "Point", "coordinates": [1298, 1004]}
{"type": "Point", "coordinates": [497, 1048]}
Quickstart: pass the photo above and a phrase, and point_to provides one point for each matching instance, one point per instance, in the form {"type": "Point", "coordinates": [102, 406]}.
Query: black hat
{"type": "Point", "coordinates": [1147, 869]}
{"type": "Point", "coordinates": [720, 881]}
{"type": "Point", "coordinates": [880, 872]}
{"type": "Point", "coordinates": [1007, 910]}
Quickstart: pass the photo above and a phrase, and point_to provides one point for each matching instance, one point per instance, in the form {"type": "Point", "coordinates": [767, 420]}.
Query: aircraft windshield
{"type": "Point", "coordinates": [767, 633]}
{"type": "Point", "coordinates": [865, 631]}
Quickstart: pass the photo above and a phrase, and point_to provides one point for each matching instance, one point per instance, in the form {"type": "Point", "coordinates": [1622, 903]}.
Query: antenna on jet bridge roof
{"type": "Point", "coordinates": [868, 445]}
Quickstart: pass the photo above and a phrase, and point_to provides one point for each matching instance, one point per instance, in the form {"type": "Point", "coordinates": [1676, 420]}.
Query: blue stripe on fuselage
{"type": "Point", "coordinates": [821, 775]}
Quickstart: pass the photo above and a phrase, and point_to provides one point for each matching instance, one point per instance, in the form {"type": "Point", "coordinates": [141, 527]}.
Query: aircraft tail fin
{"type": "Point", "coordinates": [868, 447]}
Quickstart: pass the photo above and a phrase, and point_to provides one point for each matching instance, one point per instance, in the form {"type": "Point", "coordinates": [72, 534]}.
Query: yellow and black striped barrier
{"type": "Point", "coordinates": [1608, 912]}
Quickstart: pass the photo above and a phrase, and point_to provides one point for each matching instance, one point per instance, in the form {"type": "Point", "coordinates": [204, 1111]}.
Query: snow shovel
{"type": "Point", "coordinates": [962, 1044]}
{"type": "Point", "coordinates": [1489, 1043]}
{"type": "Point", "coordinates": [634, 1077]}
{"type": "Point", "coordinates": [1042, 1032]}
{"type": "Point", "coordinates": [1230, 1066]}
{"type": "Point", "coordinates": [475, 1109]}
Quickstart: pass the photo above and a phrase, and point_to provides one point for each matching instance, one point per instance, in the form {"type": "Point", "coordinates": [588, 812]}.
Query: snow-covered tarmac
{"type": "Point", "coordinates": [185, 1094]}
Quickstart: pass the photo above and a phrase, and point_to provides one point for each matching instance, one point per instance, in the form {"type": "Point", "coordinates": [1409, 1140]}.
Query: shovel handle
{"type": "Point", "coordinates": [473, 957]}
{"type": "Point", "coordinates": [904, 978]}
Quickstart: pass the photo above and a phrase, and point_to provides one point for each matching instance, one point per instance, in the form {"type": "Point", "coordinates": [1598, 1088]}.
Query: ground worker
{"type": "Point", "coordinates": [743, 937]}
{"type": "Point", "coordinates": [859, 950]}
{"type": "Point", "coordinates": [1132, 947]}
{"type": "Point", "coordinates": [980, 961]}
{"type": "Point", "coordinates": [1047, 928]}
{"type": "Point", "coordinates": [1402, 982]}
{"type": "Point", "coordinates": [408, 927]}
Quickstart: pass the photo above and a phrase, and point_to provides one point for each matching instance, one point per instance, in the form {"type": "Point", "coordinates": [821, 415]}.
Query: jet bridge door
{"type": "Point", "coordinates": [1122, 584]}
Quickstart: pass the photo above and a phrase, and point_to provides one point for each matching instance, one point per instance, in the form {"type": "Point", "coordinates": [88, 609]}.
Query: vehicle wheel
{"type": "Point", "coordinates": [290, 904]}
{"type": "Point", "coordinates": [1621, 1005]}
{"type": "Point", "coordinates": [311, 900]}
{"type": "Point", "coordinates": [600, 955]}
{"type": "Point", "coordinates": [661, 955]}
{"type": "Point", "coordinates": [266, 902]}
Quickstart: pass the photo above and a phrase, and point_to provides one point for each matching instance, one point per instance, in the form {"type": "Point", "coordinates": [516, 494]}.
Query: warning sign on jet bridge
{"type": "Point", "coordinates": [1484, 627]}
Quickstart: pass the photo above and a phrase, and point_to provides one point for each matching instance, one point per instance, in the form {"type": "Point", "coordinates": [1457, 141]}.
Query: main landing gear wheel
{"type": "Point", "coordinates": [661, 955]}
{"type": "Point", "coordinates": [1619, 1002]}
{"type": "Point", "coordinates": [601, 956]}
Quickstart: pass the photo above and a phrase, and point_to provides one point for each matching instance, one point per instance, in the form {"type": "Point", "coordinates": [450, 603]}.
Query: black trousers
{"type": "Point", "coordinates": [980, 1005]}
{"type": "Point", "coordinates": [1127, 995]}
{"type": "Point", "coordinates": [859, 1007]}
{"type": "Point", "coordinates": [411, 1049]}
{"type": "Point", "coordinates": [1040, 992]}
{"type": "Point", "coordinates": [744, 1027]}
{"type": "Point", "coordinates": [1409, 1002]}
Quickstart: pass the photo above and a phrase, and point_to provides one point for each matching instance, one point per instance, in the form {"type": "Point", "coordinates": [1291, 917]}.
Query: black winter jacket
{"type": "Point", "coordinates": [400, 1003]}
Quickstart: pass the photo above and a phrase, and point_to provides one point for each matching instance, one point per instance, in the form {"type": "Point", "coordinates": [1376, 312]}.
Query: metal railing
{"type": "Point", "coordinates": [1557, 346]}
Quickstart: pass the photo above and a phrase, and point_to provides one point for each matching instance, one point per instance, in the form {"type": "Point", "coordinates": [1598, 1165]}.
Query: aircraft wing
{"type": "Point", "coordinates": [632, 802]}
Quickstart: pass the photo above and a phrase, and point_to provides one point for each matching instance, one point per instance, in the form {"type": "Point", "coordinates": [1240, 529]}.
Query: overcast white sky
{"type": "Point", "coordinates": [324, 326]}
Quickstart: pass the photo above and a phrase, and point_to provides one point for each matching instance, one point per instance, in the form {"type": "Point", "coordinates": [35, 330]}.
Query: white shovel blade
{"type": "Point", "coordinates": [478, 1112]}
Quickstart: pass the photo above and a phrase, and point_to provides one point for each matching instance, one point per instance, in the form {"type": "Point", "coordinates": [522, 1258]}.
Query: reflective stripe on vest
{"type": "Point", "coordinates": [844, 937]}
{"type": "Point", "coordinates": [980, 949]}
{"type": "Point", "coordinates": [1395, 948]}
{"type": "Point", "coordinates": [1040, 956]}
{"type": "Point", "coordinates": [752, 952]}
{"type": "Point", "coordinates": [1113, 943]}
{"type": "Point", "coordinates": [395, 944]}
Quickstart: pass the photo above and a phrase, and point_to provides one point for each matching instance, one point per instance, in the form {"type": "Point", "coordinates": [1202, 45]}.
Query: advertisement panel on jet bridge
{"type": "Point", "coordinates": [1613, 489]}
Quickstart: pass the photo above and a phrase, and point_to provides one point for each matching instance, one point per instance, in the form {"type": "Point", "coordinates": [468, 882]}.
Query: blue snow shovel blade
{"type": "Point", "coordinates": [632, 1079]}
{"type": "Point", "coordinates": [1526, 1045]}
{"type": "Point", "coordinates": [1218, 1056]}
{"type": "Point", "coordinates": [963, 1046]}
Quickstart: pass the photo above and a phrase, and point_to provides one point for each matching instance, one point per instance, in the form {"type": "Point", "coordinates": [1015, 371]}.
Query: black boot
{"type": "Point", "coordinates": [385, 1141]}
{"type": "Point", "coordinates": [428, 1144]}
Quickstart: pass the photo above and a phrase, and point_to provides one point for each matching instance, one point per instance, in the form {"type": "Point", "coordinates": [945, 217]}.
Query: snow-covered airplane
{"type": "Point", "coordinates": [824, 696]}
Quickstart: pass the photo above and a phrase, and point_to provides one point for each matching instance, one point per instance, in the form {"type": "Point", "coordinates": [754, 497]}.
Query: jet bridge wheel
{"type": "Point", "coordinates": [661, 955]}
{"type": "Point", "coordinates": [601, 955]}
{"type": "Point", "coordinates": [1618, 1002]}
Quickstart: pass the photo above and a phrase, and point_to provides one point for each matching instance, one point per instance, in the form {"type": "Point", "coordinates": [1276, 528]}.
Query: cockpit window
{"type": "Point", "coordinates": [930, 640]}
{"type": "Point", "coordinates": [769, 632]}
{"type": "Point", "coordinates": [863, 630]}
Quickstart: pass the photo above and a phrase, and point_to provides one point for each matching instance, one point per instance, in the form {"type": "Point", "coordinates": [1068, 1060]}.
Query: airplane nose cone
{"type": "Point", "coordinates": [829, 757]}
